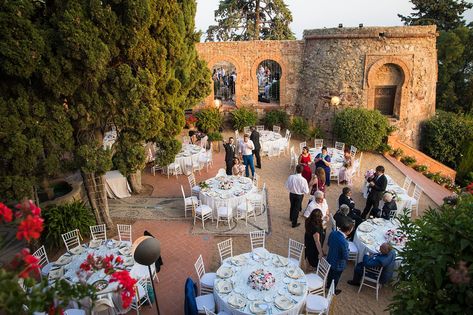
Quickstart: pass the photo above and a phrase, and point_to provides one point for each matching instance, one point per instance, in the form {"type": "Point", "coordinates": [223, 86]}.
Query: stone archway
{"type": "Point", "coordinates": [282, 81]}
{"type": "Point", "coordinates": [220, 58]}
{"type": "Point", "coordinates": [389, 75]}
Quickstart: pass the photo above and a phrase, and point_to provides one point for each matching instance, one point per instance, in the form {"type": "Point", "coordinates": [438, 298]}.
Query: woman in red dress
{"type": "Point", "coordinates": [305, 160]}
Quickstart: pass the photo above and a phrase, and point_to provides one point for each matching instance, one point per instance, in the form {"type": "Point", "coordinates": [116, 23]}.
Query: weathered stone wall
{"type": "Point", "coordinates": [345, 62]}
{"type": "Point", "coordinates": [246, 56]}
{"type": "Point", "coordinates": [350, 63]}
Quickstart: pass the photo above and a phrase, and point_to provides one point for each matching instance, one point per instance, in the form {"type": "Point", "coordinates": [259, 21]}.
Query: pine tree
{"type": "Point", "coordinates": [446, 14]}
{"type": "Point", "coordinates": [251, 20]}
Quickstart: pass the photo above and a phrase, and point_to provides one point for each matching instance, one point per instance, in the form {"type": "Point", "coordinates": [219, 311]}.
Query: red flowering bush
{"type": "Point", "coordinates": [191, 120]}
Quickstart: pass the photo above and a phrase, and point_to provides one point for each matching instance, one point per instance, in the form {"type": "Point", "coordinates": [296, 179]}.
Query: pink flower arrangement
{"type": "Point", "coordinates": [369, 174]}
{"type": "Point", "coordinates": [396, 237]}
{"type": "Point", "coordinates": [261, 280]}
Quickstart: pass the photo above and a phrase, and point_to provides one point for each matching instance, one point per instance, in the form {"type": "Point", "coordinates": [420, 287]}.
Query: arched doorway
{"type": "Point", "coordinates": [389, 80]}
{"type": "Point", "coordinates": [268, 75]}
{"type": "Point", "coordinates": [224, 77]}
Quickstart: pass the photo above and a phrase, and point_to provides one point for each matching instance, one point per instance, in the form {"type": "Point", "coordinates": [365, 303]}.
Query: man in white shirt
{"type": "Point", "coordinates": [297, 186]}
{"type": "Point", "coordinates": [318, 202]}
{"type": "Point", "coordinates": [246, 148]}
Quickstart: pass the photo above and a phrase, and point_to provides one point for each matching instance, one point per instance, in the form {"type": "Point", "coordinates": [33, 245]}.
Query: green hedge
{"type": "Point", "coordinates": [166, 150]}
{"type": "Point", "coordinates": [61, 219]}
{"type": "Point", "coordinates": [276, 117]}
{"type": "Point", "coordinates": [363, 128]}
{"type": "Point", "coordinates": [244, 117]}
{"type": "Point", "coordinates": [209, 120]}
{"type": "Point", "coordinates": [300, 127]}
{"type": "Point", "coordinates": [445, 136]}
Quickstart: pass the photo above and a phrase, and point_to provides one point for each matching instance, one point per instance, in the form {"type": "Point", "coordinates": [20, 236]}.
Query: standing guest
{"type": "Point", "coordinates": [385, 258]}
{"type": "Point", "coordinates": [297, 187]}
{"type": "Point", "coordinates": [377, 186]}
{"type": "Point", "coordinates": [389, 205]}
{"type": "Point", "coordinates": [314, 238]}
{"type": "Point", "coordinates": [345, 199]}
{"type": "Point", "coordinates": [255, 138]}
{"type": "Point", "coordinates": [346, 172]}
{"type": "Point", "coordinates": [318, 202]}
{"type": "Point", "coordinates": [323, 160]}
{"type": "Point", "coordinates": [338, 251]}
{"type": "Point", "coordinates": [238, 168]}
{"type": "Point", "coordinates": [318, 181]}
{"type": "Point", "coordinates": [305, 160]}
{"type": "Point", "coordinates": [246, 149]}
{"type": "Point", "coordinates": [229, 154]}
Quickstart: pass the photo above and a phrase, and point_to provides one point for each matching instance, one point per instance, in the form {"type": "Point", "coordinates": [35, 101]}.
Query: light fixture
{"type": "Point", "coordinates": [217, 103]}
{"type": "Point", "coordinates": [360, 25]}
{"type": "Point", "coordinates": [340, 25]}
{"type": "Point", "coordinates": [146, 250]}
{"type": "Point", "coordinates": [335, 100]}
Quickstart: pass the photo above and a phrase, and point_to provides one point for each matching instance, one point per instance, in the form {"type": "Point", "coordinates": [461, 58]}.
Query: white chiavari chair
{"type": "Point", "coordinates": [257, 239]}
{"type": "Point", "coordinates": [318, 143]}
{"type": "Point", "coordinates": [43, 261]}
{"type": "Point", "coordinates": [416, 195]}
{"type": "Point", "coordinates": [206, 280]}
{"type": "Point", "coordinates": [188, 202]}
{"type": "Point", "coordinates": [353, 151]}
{"type": "Point", "coordinates": [295, 250]}
{"type": "Point", "coordinates": [371, 278]}
{"type": "Point", "coordinates": [316, 281]}
{"type": "Point", "coordinates": [340, 146]}
{"type": "Point", "coordinates": [245, 210]}
{"type": "Point", "coordinates": [301, 146]}
{"type": "Point", "coordinates": [246, 130]}
{"type": "Point", "coordinates": [124, 233]}
{"type": "Point", "coordinates": [259, 128]}
{"type": "Point", "coordinates": [195, 189]}
{"type": "Point", "coordinates": [316, 304]}
{"type": "Point", "coordinates": [98, 232]}
{"type": "Point", "coordinates": [71, 239]}
{"type": "Point", "coordinates": [407, 184]}
{"type": "Point", "coordinates": [276, 129]}
{"type": "Point", "coordinates": [224, 212]}
{"type": "Point", "coordinates": [141, 294]}
{"type": "Point", "coordinates": [225, 249]}
{"type": "Point", "coordinates": [202, 213]}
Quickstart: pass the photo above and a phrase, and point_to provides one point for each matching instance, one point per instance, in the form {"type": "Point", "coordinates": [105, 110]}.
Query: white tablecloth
{"type": "Point", "coordinates": [403, 200]}
{"type": "Point", "coordinates": [189, 154]}
{"type": "Point", "coordinates": [242, 187]}
{"type": "Point", "coordinates": [271, 142]}
{"type": "Point", "coordinates": [240, 277]}
{"type": "Point", "coordinates": [336, 159]}
{"type": "Point", "coordinates": [109, 247]}
{"type": "Point", "coordinates": [369, 242]}
{"type": "Point", "coordinates": [116, 185]}
{"type": "Point", "coordinates": [109, 139]}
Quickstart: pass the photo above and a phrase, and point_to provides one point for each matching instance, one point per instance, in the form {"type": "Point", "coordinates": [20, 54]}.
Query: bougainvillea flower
{"type": "Point", "coordinates": [5, 213]}
{"type": "Point", "coordinates": [126, 285]}
{"type": "Point", "coordinates": [30, 228]}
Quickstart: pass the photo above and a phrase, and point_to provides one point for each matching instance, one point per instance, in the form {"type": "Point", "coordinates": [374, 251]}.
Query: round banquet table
{"type": "Point", "coordinates": [188, 155]}
{"type": "Point", "coordinates": [68, 264]}
{"type": "Point", "coordinates": [336, 157]}
{"type": "Point", "coordinates": [371, 234]}
{"type": "Point", "coordinates": [271, 142]}
{"type": "Point", "coordinates": [403, 200]}
{"type": "Point", "coordinates": [242, 187]}
{"type": "Point", "coordinates": [242, 266]}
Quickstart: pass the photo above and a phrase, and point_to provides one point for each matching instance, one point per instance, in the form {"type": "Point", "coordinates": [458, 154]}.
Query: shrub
{"type": "Point", "coordinates": [215, 136]}
{"type": "Point", "coordinates": [276, 117]}
{"type": "Point", "coordinates": [244, 117]}
{"type": "Point", "coordinates": [420, 168]}
{"type": "Point", "coordinates": [60, 219]}
{"type": "Point", "coordinates": [315, 133]}
{"type": "Point", "coordinates": [383, 148]}
{"type": "Point", "coordinates": [166, 150]}
{"type": "Point", "coordinates": [299, 127]}
{"type": "Point", "coordinates": [363, 128]}
{"type": "Point", "coordinates": [408, 160]}
{"type": "Point", "coordinates": [465, 168]}
{"type": "Point", "coordinates": [397, 153]}
{"type": "Point", "coordinates": [435, 276]}
{"type": "Point", "coordinates": [445, 135]}
{"type": "Point", "coordinates": [209, 120]}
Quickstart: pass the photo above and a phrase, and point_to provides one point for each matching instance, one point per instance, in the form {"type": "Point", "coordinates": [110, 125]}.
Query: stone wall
{"type": "Point", "coordinates": [351, 63]}
{"type": "Point", "coordinates": [246, 57]}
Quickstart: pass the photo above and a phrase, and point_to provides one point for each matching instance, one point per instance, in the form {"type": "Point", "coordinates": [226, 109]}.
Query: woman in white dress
{"type": "Point", "coordinates": [346, 172]}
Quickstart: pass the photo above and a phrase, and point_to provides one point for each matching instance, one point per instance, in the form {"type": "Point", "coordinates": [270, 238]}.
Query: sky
{"type": "Point", "coordinates": [310, 14]}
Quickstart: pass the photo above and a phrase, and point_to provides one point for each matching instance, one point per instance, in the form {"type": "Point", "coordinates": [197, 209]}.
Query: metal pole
{"type": "Point", "coordinates": [154, 290]}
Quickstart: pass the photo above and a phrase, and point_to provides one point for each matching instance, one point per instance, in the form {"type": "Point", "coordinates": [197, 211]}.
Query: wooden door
{"type": "Point", "coordinates": [384, 99]}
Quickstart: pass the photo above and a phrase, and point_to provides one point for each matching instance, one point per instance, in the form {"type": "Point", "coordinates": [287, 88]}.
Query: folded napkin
{"type": "Point", "coordinates": [293, 272]}
{"type": "Point", "coordinates": [238, 260]}
{"type": "Point", "coordinates": [224, 272]}
{"type": "Point", "coordinates": [296, 288]}
{"type": "Point", "coordinates": [236, 301]}
{"type": "Point", "coordinates": [124, 251]}
{"type": "Point", "coordinates": [280, 261]}
{"type": "Point", "coordinates": [56, 273]}
{"type": "Point", "coordinates": [261, 252]}
{"type": "Point", "coordinates": [77, 250]}
{"type": "Point", "coordinates": [365, 228]}
{"type": "Point", "coordinates": [63, 260]}
{"type": "Point", "coordinates": [258, 307]}
{"type": "Point", "coordinates": [366, 239]}
{"type": "Point", "coordinates": [95, 243]}
{"type": "Point", "coordinates": [224, 286]}
{"type": "Point", "coordinates": [283, 303]}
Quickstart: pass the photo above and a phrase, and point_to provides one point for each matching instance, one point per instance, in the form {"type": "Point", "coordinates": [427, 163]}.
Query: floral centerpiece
{"type": "Point", "coordinates": [369, 174]}
{"type": "Point", "coordinates": [261, 280]}
{"type": "Point", "coordinates": [396, 237]}
{"type": "Point", "coordinates": [225, 184]}
{"type": "Point", "coordinates": [203, 185]}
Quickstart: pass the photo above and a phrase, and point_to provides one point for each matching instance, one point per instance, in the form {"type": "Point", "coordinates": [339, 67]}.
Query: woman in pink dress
{"type": "Point", "coordinates": [305, 160]}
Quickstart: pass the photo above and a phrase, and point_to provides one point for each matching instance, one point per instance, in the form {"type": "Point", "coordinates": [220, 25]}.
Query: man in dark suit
{"type": "Point", "coordinates": [344, 212]}
{"type": "Point", "coordinates": [377, 186]}
{"type": "Point", "coordinates": [255, 138]}
{"type": "Point", "coordinates": [345, 199]}
{"type": "Point", "coordinates": [229, 154]}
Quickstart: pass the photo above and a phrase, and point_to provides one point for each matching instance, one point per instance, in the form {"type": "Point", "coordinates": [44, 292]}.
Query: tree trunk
{"type": "Point", "coordinates": [47, 188]}
{"type": "Point", "coordinates": [97, 194]}
{"type": "Point", "coordinates": [135, 182]}
{"type": "Point", "coordinates": [257, 20]}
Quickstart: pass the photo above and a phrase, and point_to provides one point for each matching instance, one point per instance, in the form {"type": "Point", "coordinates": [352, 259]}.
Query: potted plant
{"type": "Point", "coordinates": [408, 160]}
{"type": "Point", "coordinates": [215, 138]}
{"type": "Point", "coordinates": [190, 121]}
{"type": "Point", "coordinates": [397, 153]}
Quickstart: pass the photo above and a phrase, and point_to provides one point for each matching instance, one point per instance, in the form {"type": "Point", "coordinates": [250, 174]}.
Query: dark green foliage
{"type": "Point", "coordinates": [440, 245]}
{"type": "Point", "coordinates": [315, 133]}
{"type": "Point", "coordinates": [445, 136]}
{"type": "Point", "coordinates": [408, 160]}
{"type": "Point", "coordinates": [61, 219]}
{"type": "Point", "coordinates": [251, 20]}
{"type": "Point", "coordinates": [209, 120]}
{"type": "Point", "coordinates": [215, 136]}
{"type": "Point", "coordinates": [398, 152]}
{"type": "Point", "coordinates": [421, 168]}
{"type": "Point", "coordinates": [166, 150]}
{"type": "Point", "coordinates": [300, 127]}
{"type": "Point", "coordinates": [276, 117]}
{"type": "Point", "coordinates": [384, 148]}
{"type": "Point", "coordinates": [363, 128]}
{"type": "Point", "coordinates": [465, 168]}
{"type": "Point", "coordinates": [244, 117]}
{"type": "Point", "coordinates": [446, 14]}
